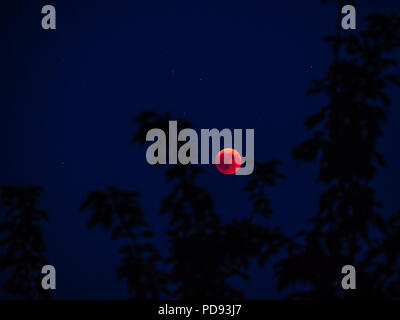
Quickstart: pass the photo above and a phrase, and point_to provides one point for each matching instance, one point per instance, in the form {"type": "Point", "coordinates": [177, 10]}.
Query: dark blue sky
{"type": "Point", "coordinates": [68, 96]}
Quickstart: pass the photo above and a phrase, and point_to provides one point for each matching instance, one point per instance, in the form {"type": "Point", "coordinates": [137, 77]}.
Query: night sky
{"type": "Point", "coordinates": [68, 97]}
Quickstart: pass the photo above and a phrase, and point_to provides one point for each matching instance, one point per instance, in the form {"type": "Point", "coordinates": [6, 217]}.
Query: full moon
{"type": "Point", "coordinates": [231, 166]}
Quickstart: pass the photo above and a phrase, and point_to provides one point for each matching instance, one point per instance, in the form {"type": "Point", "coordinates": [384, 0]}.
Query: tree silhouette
{"type": "Point", "coordinates": [22, 242]}
{"type": "Point", "coordinates": [118, 211]}
{"type": "Point", "coordinates": [205, 254]}
{"type": "Point", "coordinates": [344, 144]}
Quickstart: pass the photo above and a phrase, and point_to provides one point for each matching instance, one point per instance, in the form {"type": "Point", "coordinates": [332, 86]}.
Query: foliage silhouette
{"type": "Point", "coordinates": [118, 211]}
{"type": "Point", "coordinates": [204, 254]}
{"type": "Point", "coordinates": [22, 242]}
{"type": "Point", "coordinates": [382, 260]}
{"type": "Point", "coordinates": [344, 144]}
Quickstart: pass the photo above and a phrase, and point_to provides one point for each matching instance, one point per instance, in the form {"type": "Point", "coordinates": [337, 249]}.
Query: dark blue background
{"type": "Point", "coordinates": [68, 96]}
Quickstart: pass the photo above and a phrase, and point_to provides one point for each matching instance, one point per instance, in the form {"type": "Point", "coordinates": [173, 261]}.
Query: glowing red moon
{"type": "Point", "coordinates": [231, 166]}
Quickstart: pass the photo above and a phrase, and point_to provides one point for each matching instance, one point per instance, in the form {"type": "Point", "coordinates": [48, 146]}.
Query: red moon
{"type": "Point", "coordinates": [231, 166]}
